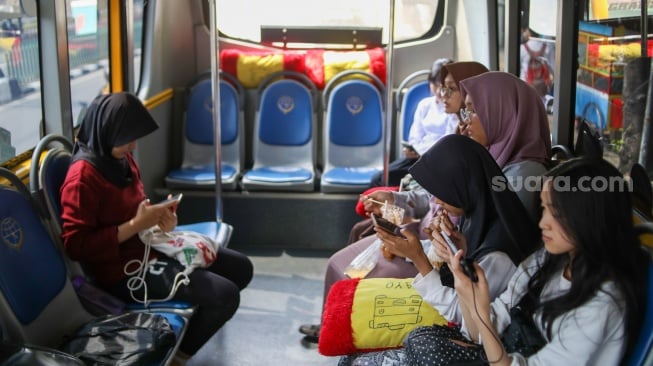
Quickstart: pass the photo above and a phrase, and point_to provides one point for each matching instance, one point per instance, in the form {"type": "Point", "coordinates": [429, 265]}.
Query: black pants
{"type": "Point", "coordinates": [214, 290]}
{"type": "Point", "coordinates": [396, 171]}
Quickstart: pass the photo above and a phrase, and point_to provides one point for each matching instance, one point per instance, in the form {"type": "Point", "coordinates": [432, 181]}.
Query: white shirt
{"type": "Point", "coordinates": [498, 269]}
{"type": "Point", "coordinates": [592, 334]}
{"type": "Point", "coordinates": [430, 123]}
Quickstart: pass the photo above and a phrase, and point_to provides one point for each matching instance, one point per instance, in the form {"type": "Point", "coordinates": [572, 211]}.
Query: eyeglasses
{"type": "Point", "coordinates": [467, 115]}
{"type": "Point", "coordinates": [447, 92]}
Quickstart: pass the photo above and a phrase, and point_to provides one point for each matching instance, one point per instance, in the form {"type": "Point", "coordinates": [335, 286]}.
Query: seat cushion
{"type": "Point", "coordinates": [349, 175]}
{"type": "Point", "coordinates": [279, 174]}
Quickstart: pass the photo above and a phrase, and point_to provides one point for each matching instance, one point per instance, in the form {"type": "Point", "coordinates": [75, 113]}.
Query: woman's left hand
{"type": "Point", "coordinates": [407, 247]}
{"type": "Point", "coordinates": [475, 295]}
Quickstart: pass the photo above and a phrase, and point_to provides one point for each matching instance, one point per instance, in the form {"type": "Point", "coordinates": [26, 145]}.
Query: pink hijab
{"type": "Point", "coordinates": [512, 115]}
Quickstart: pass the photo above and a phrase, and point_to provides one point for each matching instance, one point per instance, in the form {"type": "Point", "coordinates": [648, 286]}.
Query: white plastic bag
{"type": "Point", "coordinates": [189, 248]}
{"type": "Point", "coordinates": [192, 249]}
{"type": "Point", "coordinates": [365, 262]}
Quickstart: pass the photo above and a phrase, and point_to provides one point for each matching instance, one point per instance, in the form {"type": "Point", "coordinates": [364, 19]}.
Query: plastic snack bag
{"type": "Point", "coordinates": [365, 262]}
{"type": "Point", "coordinates": [433, 257]}
{"type": "Point", "coordinates": [392, 213]}
{"type": "Point", "coordinates": [395, 215]}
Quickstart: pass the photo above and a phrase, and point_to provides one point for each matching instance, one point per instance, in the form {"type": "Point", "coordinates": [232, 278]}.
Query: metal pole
{"type": "Point", "coordinates": [215, 89]}
{"type": "Point", "coordinates": [646, 128]}
{"type": "Point", "coordinates": [644, 27]}
{"type": "Point", "coordinates": [388, 94]}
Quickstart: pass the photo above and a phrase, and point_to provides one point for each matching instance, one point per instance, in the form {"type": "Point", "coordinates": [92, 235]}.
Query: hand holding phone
{"type": "Point", "coordinates": [172, 200]}
{"type": "Point", "coordinates": [408, 146]}
{"type": "Point", "coordinates": [465, 263]}
{"type": "Point", "coordinates": [386, 225]}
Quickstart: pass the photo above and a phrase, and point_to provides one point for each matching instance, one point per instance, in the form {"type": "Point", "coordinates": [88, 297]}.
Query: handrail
{"type": "Point", "coordinates": [399, 98]}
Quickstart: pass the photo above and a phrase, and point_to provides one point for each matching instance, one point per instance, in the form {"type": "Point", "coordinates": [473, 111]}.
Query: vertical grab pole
{"type": "Point", "coordinates": [387, 131]}
{"type": "Point", "coordinates": [647, 128]}
{"type": "Point", "coordinates": [215, 92]}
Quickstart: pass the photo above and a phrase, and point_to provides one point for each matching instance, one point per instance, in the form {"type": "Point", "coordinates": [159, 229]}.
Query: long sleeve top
{"type": "Point", "coordinates": [592, 334]}
{"type": "Point", "coordinates": [92, 210]}
{"type": "Point", "coordinates": [498, 269]}
{"type": "Point", "coordinates": [430, 123]}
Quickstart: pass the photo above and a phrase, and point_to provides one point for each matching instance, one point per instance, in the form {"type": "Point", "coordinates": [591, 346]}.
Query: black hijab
{"type": "Point", "coordinates": [112, 120]}
{"type": "Point", "coordinates": [460, 172]}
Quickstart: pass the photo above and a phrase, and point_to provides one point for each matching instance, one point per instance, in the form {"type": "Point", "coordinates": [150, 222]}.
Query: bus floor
{"type": "Point", "coordinates": [286, 291]}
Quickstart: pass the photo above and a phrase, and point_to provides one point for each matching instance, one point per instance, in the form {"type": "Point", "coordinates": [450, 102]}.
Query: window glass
{"type": "Point", "coordinates": [20, 91]}
{"type": "Point", "coordinates": [609, 84]}
{"type": "Point", "coordinates": [243, 19]}
{"type": "Point", "coordinates": [88, 50]}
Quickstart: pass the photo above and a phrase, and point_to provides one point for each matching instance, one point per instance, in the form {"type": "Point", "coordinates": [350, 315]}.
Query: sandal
{"type": "Point", "coordinates": [310, 342]}
{"type": "Point", "coordinates": [312, 330]}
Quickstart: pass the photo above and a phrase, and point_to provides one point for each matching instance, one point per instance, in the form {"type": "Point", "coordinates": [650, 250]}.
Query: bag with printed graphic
{"type": "Point", "coordinates": [159, 280]}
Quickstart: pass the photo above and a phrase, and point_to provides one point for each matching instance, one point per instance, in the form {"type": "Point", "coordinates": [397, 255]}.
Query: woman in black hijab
{"type": "Point", "coordinates": [112, 120]}
{"type": "Point", "coordinates": [104, 207]}
{"type": "Point", "coordinates": [495, 229]}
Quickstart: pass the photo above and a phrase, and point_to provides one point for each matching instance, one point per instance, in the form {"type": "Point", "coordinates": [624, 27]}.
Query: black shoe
{"type": "Point", "coordinates": [309, 341]}
{"type": "Point", "coordinates": [312, 330]}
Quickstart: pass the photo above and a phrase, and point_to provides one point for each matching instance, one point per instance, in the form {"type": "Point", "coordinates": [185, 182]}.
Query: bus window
{"type": "Point", "coordinates": [88, 50]}
{"type": "Point", "coordinates": [609, 42]}
{"type": "Point", "coordinates": [413, 18]}
{"type": "Point", "coordinates": [20, 92]}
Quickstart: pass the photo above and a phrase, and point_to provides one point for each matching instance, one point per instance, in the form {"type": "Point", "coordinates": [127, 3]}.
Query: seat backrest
{"type": "Point", "coordinates": [37, 302]}
{"type": "Point", "coordinates": [588, 142]}
{"type": "Point", "coordinates": [285, 125]}
{"type": "Point", "coordinates": [354, 126]}
{"type": "Point", "coordinates": [51, 177]}
{"type": "Point", "coordinates": [406, 104]}
{"type": "Point", "coordinates": [198, 129]}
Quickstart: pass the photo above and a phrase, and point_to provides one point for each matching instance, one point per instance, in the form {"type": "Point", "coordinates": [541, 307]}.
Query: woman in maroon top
{"type": "Point", "coordinates": [104, 207]}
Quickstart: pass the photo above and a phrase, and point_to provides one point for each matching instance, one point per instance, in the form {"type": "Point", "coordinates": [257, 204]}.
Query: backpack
{"type": "Point", "coordinates": [537, 73]}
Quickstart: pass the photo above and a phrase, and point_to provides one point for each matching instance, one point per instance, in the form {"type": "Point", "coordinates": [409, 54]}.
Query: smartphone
{"type": "Point", "coordinates": [386, 225]}
{"type": "Point", "coordinates": [174, 198]}
{"type": "Point", "coordinates": [465, 263]}
{"type": "Point", "coordinates": [408, 146]}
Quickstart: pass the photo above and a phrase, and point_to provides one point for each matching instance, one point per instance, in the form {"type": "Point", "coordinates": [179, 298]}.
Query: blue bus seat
{"type": "Point", "coordinates": [197, 170]}
{"type": "Point", "coordinates": [406, 103]}
{"type": "Point", "coordinates": [46, 178]}
{"type": "Point", "coordinates": [284, 135]}
{"type": "Point", "coordinates": [353, 132]}
{"type": "Point", "coordinates": [38, 305]}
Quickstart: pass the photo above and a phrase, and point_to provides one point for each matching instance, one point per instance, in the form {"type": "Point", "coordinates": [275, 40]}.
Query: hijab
{"type": "Point", "coordinates": [461, 71]}
{"type": "Point", "coordinates": [512, 115]}
{"type": "Point", "coordinates": [460, 172]}
{"type": "Point", "coordinates": [112, 120]}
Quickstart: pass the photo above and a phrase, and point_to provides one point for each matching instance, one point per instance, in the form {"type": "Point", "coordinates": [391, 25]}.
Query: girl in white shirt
{"type": "Point", "coordinates": [586, 285]}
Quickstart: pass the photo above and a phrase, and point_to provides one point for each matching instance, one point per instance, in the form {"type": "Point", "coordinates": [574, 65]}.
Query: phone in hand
{"type": "Point", "coordinates": [175, 198]}
{"type": "Point", "coordinates": [465, 263]}
{"type": "Point", "coordinates": [386, 225]}
{"type": "Point", "coordinates": [408, 146]}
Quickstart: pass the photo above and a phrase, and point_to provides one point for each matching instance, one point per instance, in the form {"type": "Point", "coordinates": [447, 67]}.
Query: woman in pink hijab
{"type": "Point", "coordinates": [507, 116]}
